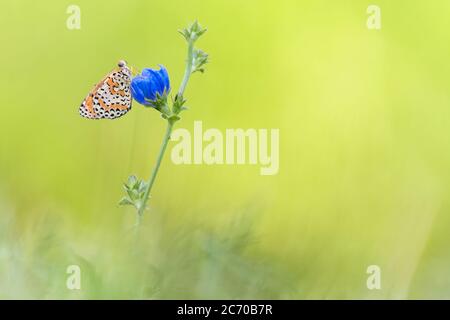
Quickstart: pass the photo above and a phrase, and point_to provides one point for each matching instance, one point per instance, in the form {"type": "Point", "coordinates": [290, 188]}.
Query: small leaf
{"type": "Point", "coordinates": [192, 32]}
{"type": "Point", "coordinates": [132, 180]}
{"type": "Point", "coordinates": [125, 201]}
{"type": "Point", "coordinates": [200, 58]}
{"type": "Point", "coordinates": [178, 103]}
{"type": "Point", "coordinates": [142, 186]}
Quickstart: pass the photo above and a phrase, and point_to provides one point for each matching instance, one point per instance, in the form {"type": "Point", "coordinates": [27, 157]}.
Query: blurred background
{"type": "Point", "coordinates": [364, 173]}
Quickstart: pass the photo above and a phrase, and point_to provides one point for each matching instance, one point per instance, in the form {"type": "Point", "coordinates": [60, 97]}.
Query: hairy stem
{"type": "Point", "coordinates": [188, 70]}
{"type": "Point", "coordinates": [170, 123]}
{"type": "Point", "coordinates": [155, 170]}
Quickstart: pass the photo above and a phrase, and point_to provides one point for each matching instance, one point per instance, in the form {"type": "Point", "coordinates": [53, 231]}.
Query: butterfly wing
{"type": "Point", "coordinates": [110, 98]}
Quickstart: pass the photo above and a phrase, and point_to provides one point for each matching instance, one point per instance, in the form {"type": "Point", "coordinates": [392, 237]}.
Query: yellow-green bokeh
{"type": "Point", "coordinates": [364, 145]}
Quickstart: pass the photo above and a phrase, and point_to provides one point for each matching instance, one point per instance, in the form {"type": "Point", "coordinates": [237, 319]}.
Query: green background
{"type": "Point", "coordinates": [364, 152]}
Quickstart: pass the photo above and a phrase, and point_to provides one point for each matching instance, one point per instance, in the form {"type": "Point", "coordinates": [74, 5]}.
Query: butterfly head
{"type": "Point", "coordinates": [122, 64]}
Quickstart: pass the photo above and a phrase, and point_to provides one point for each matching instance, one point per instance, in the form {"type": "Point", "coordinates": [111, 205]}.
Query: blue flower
{"type": "Point", "coordinates": [150, 84]}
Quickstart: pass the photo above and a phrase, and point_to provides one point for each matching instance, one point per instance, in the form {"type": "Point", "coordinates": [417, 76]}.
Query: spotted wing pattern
{"type": "Point", "coordinates": [111, 97]}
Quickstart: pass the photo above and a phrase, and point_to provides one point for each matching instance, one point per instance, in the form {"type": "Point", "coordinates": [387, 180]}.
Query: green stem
{"type": "Point", "coordinates": [188, 70]}
{"type": "Point", "coordinates": [170, 122]}
{"type": "Point", "coordinates": [155, 169]}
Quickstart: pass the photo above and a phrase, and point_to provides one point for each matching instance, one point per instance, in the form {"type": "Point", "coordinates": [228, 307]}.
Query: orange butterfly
{"type": "Point", "coordinates": [111, 97]}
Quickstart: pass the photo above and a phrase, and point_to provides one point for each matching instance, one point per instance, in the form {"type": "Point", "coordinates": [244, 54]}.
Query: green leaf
{"type": "Point", "coordinates": [192, 32]}
{"type": "Point", "coordinates": [125, 201]}
{"type": "Point", "coordinates": [132, 180]}
{"type": "Point", "coordinates": [200, 58]}
{"type": "Point", "coordinates": [178, 103]}
{"type": "Point", "coordinates": [142, 186]}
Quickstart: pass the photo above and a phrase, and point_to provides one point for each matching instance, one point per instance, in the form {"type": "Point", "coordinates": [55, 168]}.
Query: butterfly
{"type": "Point", "coordinates": [111, 97]}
